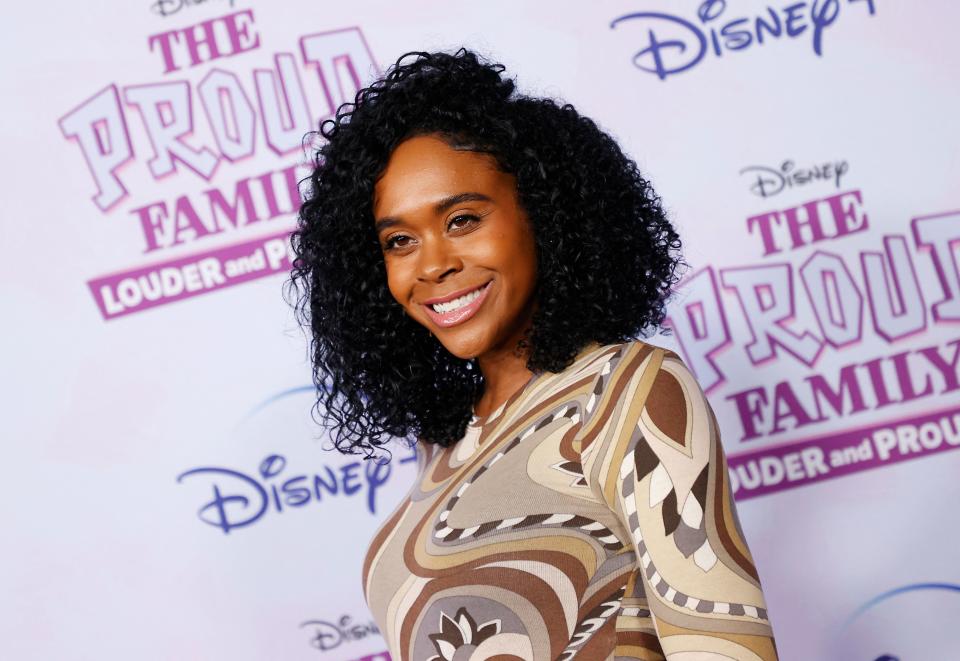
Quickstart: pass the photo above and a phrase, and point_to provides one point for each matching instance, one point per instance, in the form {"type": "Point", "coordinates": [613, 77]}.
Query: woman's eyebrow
{"type": "Point", "coordinates": [439, 207]}
{"type": "Point", "coordinates": [452, 200]}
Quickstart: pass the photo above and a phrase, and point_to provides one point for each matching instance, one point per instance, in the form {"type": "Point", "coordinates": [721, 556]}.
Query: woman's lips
{"type": "Point", "coordinates": [461, 314]}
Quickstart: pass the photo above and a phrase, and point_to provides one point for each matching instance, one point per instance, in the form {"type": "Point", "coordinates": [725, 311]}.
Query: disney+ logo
{"type": "Point", "coordinates": [240, 499]}
{"type": "Point", "coordinates": [674, 44]}
{"type": "Point", "coordinates": [925, 613]}
{"type": "Point", "coordinates": [326, 636]}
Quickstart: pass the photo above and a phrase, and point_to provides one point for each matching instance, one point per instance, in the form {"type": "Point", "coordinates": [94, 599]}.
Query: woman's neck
{"type": "Point", "coordinates": [504, 373]}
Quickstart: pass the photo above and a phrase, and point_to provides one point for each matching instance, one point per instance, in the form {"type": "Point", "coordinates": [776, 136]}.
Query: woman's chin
{"type": "Point", "coordinates": [463, 348]}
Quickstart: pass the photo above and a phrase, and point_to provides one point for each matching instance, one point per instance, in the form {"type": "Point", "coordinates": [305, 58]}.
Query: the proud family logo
{"type": "Point", "coordinates": [830, 322]}
{"type": "Point", "coordinates": [671, 44]}
{"type": "Point", "coordinates": [223, 138]}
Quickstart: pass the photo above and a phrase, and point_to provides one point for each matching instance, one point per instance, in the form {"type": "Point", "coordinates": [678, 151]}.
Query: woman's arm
{"type": "Point", "coordinates": [665, 476]}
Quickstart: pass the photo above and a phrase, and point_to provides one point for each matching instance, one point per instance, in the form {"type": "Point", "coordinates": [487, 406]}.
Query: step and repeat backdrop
{"type": "Point", "coordinates": [169, 495]}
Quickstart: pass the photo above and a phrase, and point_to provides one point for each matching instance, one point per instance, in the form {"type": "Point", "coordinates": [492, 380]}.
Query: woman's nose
{"type": "Point", "coordinates": [438, 259]}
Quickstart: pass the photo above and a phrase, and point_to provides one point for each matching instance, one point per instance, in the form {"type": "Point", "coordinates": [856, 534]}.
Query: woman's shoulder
{"type": "Point", "coordinates": [632, 369]}
{"type": "Point", "coordinates": [629, 357]}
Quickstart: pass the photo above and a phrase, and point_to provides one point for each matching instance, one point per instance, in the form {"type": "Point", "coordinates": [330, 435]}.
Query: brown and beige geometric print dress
{"type": "Point", "coordinates": [589, 517]}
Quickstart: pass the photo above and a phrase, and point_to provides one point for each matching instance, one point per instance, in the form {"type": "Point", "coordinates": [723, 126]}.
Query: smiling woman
{"type": "Point", "coordinates": [395, 217]}
{"type": "Point", "coordinates": [475, 267]}
{"type": "Point", "coordinates": [458, 248]}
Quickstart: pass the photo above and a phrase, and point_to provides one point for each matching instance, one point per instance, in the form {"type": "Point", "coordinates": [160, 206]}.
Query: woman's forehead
{"type": "Point", "coordinates": [424, 169]}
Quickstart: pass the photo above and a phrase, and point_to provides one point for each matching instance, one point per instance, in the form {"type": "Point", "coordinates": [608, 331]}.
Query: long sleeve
{"type": "Point", "coordinates": [661, 468]}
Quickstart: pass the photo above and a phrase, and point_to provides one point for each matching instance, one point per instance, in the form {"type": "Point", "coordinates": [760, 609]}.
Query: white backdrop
{"type": "Point", "coordinates": [167, 494]}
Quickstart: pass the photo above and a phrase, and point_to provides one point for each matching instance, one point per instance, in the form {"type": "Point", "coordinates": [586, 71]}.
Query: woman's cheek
{"type": "Point", "coordinates": [394, 285]}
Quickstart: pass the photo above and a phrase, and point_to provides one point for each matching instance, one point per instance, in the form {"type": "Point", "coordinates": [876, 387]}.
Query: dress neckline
{"type": "Point", "coordinates": [484, 420]}
{"type": "Point", "coordinates": [480, 421]}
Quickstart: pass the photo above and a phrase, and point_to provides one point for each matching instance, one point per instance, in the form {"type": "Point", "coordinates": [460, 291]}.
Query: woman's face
{"type": "Point", "coordinates": [459, 250]}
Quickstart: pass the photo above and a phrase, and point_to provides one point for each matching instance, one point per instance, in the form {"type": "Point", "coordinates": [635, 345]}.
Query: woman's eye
{"type": "Point", "coordinates": [400, 241]}
{"type": "Point", "coordinates": [462, 221]}
{"type": "Point", "coordinates": [395, 241]}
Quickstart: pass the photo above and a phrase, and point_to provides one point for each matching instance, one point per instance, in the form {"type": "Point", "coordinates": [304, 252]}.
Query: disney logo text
{"type": "Point", "coordinates": [327, 635]}
{"type": "Point", "coordinates": [770, 181]}
{"type": "Point", "coordinates": [239, 499]}
{"type": "Point", "coordinates": [169, 7]}
{"type": "Point", "coordinates": [675, 45]}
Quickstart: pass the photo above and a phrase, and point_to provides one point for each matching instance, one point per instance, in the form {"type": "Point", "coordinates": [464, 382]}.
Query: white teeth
{"type": "Point", "coordinates": [449, 306]}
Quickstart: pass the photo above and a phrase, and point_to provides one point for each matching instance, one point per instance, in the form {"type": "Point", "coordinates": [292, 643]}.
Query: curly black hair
{"type": "Point", "coordinates": [607, 256]}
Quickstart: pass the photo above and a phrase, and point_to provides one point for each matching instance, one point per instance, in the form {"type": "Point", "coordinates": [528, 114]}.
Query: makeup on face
{"type": "Point", "coordinates": [459, 252]}
{"type": "Point", "coordinates": [457, 308]}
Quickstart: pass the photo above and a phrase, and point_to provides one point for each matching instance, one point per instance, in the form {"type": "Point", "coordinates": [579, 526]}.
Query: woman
{"type": "Point", "coordinates": [475, 266]}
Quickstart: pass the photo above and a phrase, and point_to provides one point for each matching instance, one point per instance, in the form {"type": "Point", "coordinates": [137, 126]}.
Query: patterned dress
{"type": "Point", "coordinates": [589, 517]}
